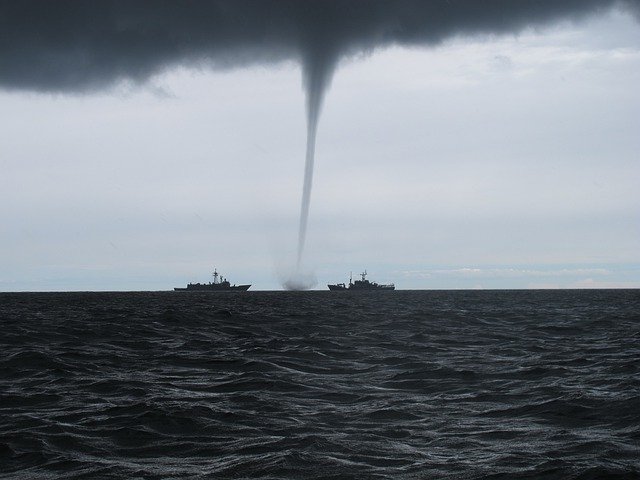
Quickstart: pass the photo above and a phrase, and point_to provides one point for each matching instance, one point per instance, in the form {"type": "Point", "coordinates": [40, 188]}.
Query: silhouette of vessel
{"type": "Point", "coordinates": [363, 284]}
{"type": "Point", "coordinates": [219, 284]}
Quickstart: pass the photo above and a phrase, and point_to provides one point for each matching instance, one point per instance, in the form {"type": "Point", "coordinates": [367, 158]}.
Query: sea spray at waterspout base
{"type": "Point", "coordinates": [299, 280]}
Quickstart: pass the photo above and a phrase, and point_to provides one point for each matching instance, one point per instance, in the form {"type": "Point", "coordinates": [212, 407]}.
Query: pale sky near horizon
{"type": "Point", "coordinates": [485, 162]}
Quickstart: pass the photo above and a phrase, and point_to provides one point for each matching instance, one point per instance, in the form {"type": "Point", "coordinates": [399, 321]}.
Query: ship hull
{"type": "Point", "coordinates": [212, 288]}
{"type": "Point", "coordinates": [352, 288]}
{"type": "Point", "coordinates": [369, 289]}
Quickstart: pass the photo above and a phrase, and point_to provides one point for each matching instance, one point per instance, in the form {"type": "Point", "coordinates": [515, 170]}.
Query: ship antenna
{"type": "Point", "coordinates": [364, 274]}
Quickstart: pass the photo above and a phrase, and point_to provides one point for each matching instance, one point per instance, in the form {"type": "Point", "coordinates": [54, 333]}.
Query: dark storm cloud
{"type": "Point", "coordinates": [83, 45]}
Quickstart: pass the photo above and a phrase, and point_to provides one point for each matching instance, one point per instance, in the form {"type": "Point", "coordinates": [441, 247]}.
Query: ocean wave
{"type": "Point", "coordinates": [314, 385]}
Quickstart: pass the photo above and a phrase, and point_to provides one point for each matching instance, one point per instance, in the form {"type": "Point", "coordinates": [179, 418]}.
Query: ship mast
{"type": "Point", "coordinates": [215, 275]}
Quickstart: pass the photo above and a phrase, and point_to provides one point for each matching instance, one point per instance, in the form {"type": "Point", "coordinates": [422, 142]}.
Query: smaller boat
{"type": "Point", "coordinates": [363, 284]}
{"type": "Point", "coordinates": [219, 284]}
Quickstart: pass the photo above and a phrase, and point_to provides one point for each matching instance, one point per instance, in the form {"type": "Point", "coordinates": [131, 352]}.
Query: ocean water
{"type": "Point", "coordinates": [405, 384]}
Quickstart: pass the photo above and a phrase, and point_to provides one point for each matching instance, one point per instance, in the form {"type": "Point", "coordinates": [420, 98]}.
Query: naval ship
{"type": "Point", "coordinates": [219, 284]}
{"type": "Point", "coordinates": [363, 284]}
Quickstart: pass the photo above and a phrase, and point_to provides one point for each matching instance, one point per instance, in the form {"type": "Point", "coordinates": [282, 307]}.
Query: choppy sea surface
{"type": "Point", "coordinates": [405, 384]}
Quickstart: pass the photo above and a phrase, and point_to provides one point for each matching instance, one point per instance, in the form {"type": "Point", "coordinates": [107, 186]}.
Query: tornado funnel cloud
{"type": "Point", "coordinates": [306, 189]}
{"type": "Point", "coordinates": [317, 74]}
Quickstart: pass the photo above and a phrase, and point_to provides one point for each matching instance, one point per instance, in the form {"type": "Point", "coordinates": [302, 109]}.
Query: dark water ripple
{"type": "Point", "coordinates": [500, 385]}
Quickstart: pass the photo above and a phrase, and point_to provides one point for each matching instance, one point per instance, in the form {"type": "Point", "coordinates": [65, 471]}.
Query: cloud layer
{"type": "Point", "coordinates": [78, 45]}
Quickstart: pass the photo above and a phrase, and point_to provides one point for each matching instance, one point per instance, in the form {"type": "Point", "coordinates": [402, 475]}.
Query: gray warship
{"type": "Point", "coordinates": [219, 284]}
{"type": "Point", "coordinates": [363, 284]}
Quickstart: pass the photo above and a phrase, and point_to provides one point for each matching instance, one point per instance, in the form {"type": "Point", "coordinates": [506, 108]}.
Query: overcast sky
{"type": "Point", "coordinates": [487, 160]}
